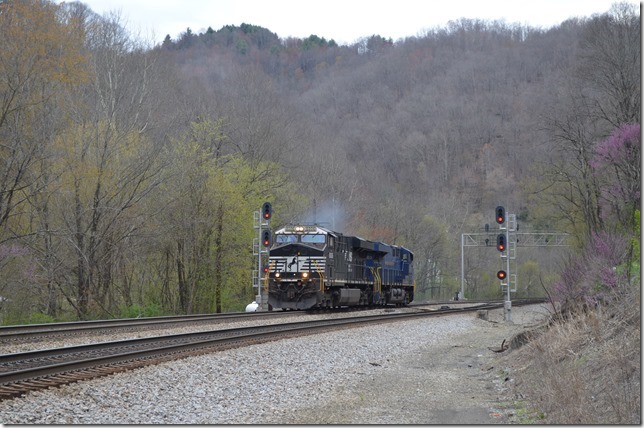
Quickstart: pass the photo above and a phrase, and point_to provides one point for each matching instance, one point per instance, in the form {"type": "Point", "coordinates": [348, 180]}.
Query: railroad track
{"type": "Point", "coordinates": [38, 332]}
{"type": "Point", "coordinates": [28, 371]}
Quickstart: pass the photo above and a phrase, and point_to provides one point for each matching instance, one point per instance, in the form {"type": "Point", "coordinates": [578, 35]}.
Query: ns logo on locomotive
{"type": "Point", "coordinates": [313, 267]}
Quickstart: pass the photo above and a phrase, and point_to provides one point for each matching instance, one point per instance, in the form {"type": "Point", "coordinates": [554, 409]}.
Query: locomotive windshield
{"type": "Point", "coordinates": [313, 239]}
{"type": "Point", "coordinates": [285, 239]}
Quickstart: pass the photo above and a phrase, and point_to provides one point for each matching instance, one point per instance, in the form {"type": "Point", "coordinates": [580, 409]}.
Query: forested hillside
{"type": "Point", "coordinates": [130, 169]}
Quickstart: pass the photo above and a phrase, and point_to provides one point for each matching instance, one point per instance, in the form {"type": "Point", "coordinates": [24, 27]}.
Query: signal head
{"type": "Point", "coordinates": [267, 238]}
{"type": "Point", "coordinates": [500, 214]}
{"type": "Point", "coordinates": [501, 275]}
{"type": "Point", "coordinates": [267, 211]}
{"type": "Point", "coordinates": [500, 242]}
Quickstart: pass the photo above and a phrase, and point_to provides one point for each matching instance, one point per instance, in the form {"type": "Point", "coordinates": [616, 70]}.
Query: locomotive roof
{"type": "Point", "coordinates": [306, 228]}
{"type": "Point", "coordinates": [358, 241]}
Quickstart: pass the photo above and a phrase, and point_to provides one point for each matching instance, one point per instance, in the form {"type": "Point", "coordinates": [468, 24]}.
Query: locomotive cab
{"type": "Point", "coordinates": [297, 266]}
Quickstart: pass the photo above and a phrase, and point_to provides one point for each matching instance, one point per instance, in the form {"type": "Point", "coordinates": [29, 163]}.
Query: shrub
{"type": "Point", "coordinates": [136, 311]}
{"type": "Point", "coordinates": [594, 275]}
{"type": "Point", "coordinates": [586, 369]}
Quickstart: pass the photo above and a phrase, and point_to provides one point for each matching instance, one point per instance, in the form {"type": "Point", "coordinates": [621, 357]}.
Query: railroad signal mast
{"type": "Point", "coordinates": [507, 248]}
{"type": "Point", "coordinates": [507, 242]}
{"type": "Point", "coordinates": [261, 246]}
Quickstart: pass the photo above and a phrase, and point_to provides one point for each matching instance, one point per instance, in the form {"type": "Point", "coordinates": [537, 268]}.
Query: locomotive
{"type": "Point", "coordinates": [313, 267]}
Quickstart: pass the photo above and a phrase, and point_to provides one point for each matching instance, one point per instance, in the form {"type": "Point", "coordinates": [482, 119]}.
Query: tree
{"type": "Point", "coordinates": [107, 164]}
{"type": "Point", "coordinates": [617, 163]}
{"type": "Point", "coordinates": [40, 54]}
{"type": "Point", "coordinates": [610, 64]}
{"type": "Point", "coordinates": [211, 194]}
{"type": "Point", "coordinates": [603, 94]}
{"type": "Point", "coordinates": [570, 184]}
{"type": "Point", "coordinates": [41, 57]}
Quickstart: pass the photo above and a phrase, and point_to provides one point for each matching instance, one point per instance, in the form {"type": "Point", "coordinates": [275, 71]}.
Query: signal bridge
{"type": "Point", "coordinates": [522, 239]}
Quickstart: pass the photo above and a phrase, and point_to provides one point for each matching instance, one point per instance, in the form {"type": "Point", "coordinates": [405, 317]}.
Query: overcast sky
{"type": "Point", "coordinates": [345, 21]}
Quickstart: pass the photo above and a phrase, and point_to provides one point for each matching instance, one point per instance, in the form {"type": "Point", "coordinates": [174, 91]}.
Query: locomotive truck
{"type": "Point", "coordinates": [313, 267]}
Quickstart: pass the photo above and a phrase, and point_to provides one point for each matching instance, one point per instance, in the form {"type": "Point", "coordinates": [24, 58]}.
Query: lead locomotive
{"type": "Point", "coordinates": [313, 267]}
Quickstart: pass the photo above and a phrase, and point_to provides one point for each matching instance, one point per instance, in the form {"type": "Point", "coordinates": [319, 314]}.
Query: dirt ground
{"type": "Point", "coordinates": [455, 382]}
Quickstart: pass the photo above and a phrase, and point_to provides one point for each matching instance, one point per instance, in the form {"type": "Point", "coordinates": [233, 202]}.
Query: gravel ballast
{"type": "Point", "coordinates": [435, 370]}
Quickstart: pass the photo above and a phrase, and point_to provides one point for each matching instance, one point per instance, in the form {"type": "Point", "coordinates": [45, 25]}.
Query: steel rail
{"type": "Point", "coordinates": [36, 332]}
{"type": "Point", "coordinates": [17, 333]}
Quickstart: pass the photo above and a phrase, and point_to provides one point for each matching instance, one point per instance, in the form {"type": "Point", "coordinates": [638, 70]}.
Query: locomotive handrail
{"type": "Point", "coordinates": [379, 279]}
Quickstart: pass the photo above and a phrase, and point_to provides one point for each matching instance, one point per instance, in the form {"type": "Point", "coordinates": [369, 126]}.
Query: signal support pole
{"type": "Point", "coordinates": [508, 226]}
{"type": "Point", "coordinates": [261, 223]}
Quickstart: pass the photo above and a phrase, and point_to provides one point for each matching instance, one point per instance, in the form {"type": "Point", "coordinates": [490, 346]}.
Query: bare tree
{"type": "Point", "coordinates": [108, 161]}
{"type": "Point", "coordinates": [39, 56]}
{"type": "Point", "coordinates": [610, 65]}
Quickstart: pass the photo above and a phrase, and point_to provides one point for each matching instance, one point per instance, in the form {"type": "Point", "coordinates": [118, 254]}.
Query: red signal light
{"type": "Point", "coordinates": [501, 275]}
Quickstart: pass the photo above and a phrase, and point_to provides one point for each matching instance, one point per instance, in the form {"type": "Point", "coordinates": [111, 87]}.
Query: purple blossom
{"type": "Point", "coordinates": [10, 251]}
{"type": "Point", "coordinates": [608, 277]}
{"type": "Point", "coordinates": [617, 166]}
{"type": "Point", "coordinates": [623, 145]}
{"type": "Point", "coordinates": [590, 276]}
{"type": "Point", "coordinates": [609, 249]}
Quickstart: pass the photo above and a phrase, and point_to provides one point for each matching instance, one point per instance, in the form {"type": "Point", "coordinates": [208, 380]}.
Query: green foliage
{"type": "Point", "coordinates": [248, 28]}
{"type": "Point", "coordinates": [19, 318]}
{"type": "Point", "coordinates": [138, 311]}
{"type": "Point", "coordinates": [636, 241]}
{"type": "Point", "coordinates": [313, 41]}
{"type": "Point", "coordinates": [212, 213]}
{"type": "Point", "coordinates": [40, 318]}
{"type": "Point", "coordinates": [242, 46]}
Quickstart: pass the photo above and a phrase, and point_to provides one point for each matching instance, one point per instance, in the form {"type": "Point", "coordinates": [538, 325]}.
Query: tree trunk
{"type": "Point", "coordinates": [181, 278]}
{"type": "Point", "coordinates": [218, 258]}
{"type": "Point", "coordinates": [82, 290]}
{"type": "Point", "coordinates": [166, 299]}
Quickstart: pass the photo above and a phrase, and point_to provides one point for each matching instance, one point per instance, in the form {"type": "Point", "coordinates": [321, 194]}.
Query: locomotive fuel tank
{"type": "Point", "coordinates": [346, 297]}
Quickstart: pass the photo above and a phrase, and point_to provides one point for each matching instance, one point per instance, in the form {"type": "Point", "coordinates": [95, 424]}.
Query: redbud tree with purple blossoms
{"type": "Point", "coordinates": [609, 261]}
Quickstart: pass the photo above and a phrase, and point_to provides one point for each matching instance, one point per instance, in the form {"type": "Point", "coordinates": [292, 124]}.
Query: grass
{"type": "Point", "coordinates": [583, 370]}
{"type": "Point", "coordinates": [526, 415]}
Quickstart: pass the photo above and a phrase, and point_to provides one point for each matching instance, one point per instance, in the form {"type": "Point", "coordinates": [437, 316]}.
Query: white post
{"type": "Point", "coordinates": [462, 296]}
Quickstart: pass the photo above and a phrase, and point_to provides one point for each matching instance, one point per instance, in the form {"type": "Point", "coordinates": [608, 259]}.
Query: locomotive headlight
{"type": "Point", "coordinates": [277, 274]}
{"type": "Point", "coordinates": [305, 274]}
